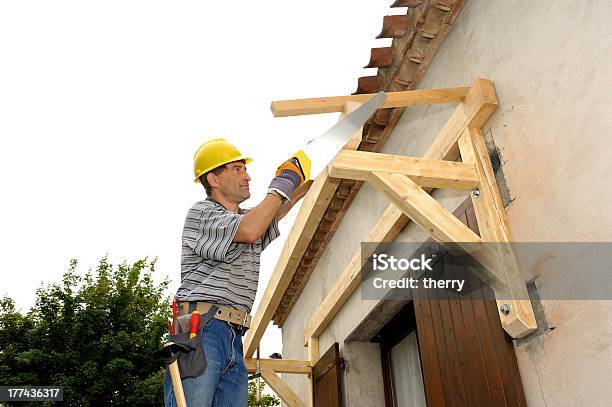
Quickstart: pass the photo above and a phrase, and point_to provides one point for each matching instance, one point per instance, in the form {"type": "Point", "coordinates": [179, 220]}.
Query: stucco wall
{"type": "Point", "coordinates": [550, 62]}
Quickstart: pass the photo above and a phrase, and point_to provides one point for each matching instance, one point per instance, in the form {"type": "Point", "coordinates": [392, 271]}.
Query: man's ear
{"type": "Point", "coordinates": [213, 180]}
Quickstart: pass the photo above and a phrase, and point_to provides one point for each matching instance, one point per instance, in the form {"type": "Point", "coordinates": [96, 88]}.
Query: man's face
{"type": "Point", "coordinates": [234, 182]}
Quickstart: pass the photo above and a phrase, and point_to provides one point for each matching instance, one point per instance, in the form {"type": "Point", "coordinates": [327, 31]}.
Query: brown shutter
{"type": "Point", "coordinates": [466, 357]}
{"type": "Point", "coordinates": [326, 377]}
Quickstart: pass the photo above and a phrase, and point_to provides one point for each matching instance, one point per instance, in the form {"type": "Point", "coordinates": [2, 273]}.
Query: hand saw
{"type": "Point", "coordinates": [321, 150]}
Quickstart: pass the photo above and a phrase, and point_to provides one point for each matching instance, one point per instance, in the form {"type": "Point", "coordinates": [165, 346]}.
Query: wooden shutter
{"type": "Point", "coordinates": [466, 357]}
{"type": "Point", "coordinates": [326, 377]}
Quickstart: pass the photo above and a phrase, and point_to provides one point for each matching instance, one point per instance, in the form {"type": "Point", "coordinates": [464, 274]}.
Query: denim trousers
{"type": "Point", "coordinates": [224, 382]}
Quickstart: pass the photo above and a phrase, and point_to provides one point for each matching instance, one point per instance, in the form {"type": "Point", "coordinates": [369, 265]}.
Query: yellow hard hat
{"type": "Point", "coordinates": [215, 153]}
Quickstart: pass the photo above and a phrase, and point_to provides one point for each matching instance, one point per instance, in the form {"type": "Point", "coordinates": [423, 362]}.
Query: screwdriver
{"type": "Point", "coordinates": [174, 315]}
{"type": "Point", "coordinates": [194, 324]}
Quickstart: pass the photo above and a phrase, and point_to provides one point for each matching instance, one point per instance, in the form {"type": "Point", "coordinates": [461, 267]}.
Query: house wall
{"type": "Point", "coordinates": [550, 62]}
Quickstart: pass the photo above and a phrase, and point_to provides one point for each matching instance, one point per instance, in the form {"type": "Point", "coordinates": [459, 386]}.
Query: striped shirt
{"type": "Point", "coordinates": [214, 268]}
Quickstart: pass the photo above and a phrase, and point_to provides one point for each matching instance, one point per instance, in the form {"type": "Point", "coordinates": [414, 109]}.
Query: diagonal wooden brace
{"type": "Point", "coordinates": [281, 389]}
{"type": "Point", "coordinates": [437, 221]}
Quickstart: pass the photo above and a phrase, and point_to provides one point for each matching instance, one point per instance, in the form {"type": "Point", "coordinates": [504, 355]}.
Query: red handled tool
{"type": "Point", "coordinates": [194, 324]}
{"type": "Point", "coordinates": [174, 316]}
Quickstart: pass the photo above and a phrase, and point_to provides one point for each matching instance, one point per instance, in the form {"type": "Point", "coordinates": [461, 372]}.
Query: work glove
{"type": "Point", "coordinates": [288, 177]}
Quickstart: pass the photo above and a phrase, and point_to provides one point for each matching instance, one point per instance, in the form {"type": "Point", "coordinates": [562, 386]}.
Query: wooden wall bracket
{"type": "Point", "coordinates": [407, 182]}
{"type": "Point", "coordinates": [401, 179]}
{"type": "Point", "coordinates": [470, 115]}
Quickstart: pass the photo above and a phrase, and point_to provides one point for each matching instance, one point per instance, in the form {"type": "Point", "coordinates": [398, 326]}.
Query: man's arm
{"type": "Point", "coordinates": [257, 220]}
{"type": "Point", "coordinates": [287, 182]}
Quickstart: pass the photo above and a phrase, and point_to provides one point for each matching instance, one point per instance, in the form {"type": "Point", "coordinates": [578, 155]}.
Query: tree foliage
{"type": "Point", "coordinates": [265, 400]}
{"type": "Point", "coordinates": [93, 334]}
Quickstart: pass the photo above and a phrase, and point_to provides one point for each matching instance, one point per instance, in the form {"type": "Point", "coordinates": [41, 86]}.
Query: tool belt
{"type": "Point", "coordinates": [228, 314]}
{"type": "Point", "coordinates": [187, 350]}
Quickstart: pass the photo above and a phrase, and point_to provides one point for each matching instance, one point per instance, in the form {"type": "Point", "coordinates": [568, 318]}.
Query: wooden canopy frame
{"type": "Point", "coordinates": [407, 182]}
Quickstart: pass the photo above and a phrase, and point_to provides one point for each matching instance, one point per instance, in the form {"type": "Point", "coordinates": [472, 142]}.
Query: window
{"type": "Point", "coordinates": [406, 378]}
{"type": "Point", "coordinates": [400, 360]}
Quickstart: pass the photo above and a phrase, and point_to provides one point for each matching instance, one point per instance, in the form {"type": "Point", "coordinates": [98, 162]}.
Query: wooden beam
{"type": "Point", "coordinates": [494, 227]}
{"type": "Point", "coordinates": [281, 388]}
{"type": "Point", "coordinates": [479, 104]}
{"type": "Point", "coordinates": [358, 165]}
{"type": "Point", "coordinates": [313, 350]}
{"type": "Point", "coordinates": [279, 365]}
{"type": "Point", "coordinates": [312, 210]}
{"type": "Point", "coordinates": [437, 221]}
{"type": "Point", "coordinates": [313, 357]}
{"type": "Point", "coordinates": [297, 107]}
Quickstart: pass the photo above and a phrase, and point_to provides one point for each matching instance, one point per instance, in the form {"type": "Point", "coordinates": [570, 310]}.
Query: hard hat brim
{"type": "Point", "coordinates": [241, 158]}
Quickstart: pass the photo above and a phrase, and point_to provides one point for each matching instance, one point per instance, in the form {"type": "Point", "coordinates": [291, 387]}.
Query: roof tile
{"type": "Point", "coordinates": [369, 84]}
{"type": "Point", "coordinates": [433, 21]}
{"type": "Point", "coordinates": [394, 26]}
{"type": "Point", "coordinates": [380, 57]}
{"type": "Point", "coordinates": [407, 3]}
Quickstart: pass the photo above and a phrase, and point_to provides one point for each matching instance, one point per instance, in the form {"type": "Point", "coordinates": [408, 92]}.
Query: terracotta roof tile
{"type": "Point", "coordinates": [380, 58]}
{"type": "Point", "coordinates": [375, 134]}
{"type": "Point", "coordinates": [433, 21]}
{"type": "Point", "coordinates": [369, 84]}
{"type": "Point", "coordinates": [407, 3]}
{"type": "Point", "coordinates": [407, 71]}
{"type": "Point", "coordinates": [419, 47]}
{"type": "Point", "coordinates": [382, 116]}
{"type": "Point", "coordinates": [394, 26]}
{"type": "Point", "coordinates": [449, 3]}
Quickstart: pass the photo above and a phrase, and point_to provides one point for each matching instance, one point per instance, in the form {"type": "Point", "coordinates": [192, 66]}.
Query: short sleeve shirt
{"type": "Point", "coordinates": [214, 268]}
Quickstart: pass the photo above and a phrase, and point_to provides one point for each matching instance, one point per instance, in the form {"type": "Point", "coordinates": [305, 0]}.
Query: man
{"type": "Point", "coordinates": [222, 244]}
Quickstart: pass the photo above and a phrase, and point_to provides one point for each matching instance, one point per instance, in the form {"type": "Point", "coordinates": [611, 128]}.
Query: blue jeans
{"type": "Point", "coordinates": [224, 382]}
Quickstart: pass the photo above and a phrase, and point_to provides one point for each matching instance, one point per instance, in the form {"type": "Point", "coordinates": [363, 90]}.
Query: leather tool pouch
{"type": "Point", "coordinates": [188, 352]}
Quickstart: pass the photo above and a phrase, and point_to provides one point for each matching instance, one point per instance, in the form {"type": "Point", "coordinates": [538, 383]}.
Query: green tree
{"type": "Point", "coordinates": [93, 334]}
{"type": "Point", "coordinates": [265, 400]}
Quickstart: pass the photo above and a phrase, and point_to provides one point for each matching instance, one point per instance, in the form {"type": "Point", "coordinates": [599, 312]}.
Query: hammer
{"type": "Point", "coordinates": [177, 385]}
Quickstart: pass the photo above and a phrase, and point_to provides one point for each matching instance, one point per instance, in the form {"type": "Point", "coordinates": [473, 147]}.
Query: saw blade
{"type": "Point", "coordinates": [322, 149]}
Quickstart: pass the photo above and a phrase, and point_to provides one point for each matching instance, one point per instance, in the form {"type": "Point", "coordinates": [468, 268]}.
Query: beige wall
{"type": "Point", "coordinates": [550, 62]}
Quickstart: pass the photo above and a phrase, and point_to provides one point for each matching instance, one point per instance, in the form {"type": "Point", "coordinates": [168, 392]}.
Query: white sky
{"type": "Point", "coordinates": [103, 104]}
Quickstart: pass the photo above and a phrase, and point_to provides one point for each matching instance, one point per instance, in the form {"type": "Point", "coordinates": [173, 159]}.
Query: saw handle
{"type": "Point", "coordinates": [298, 163]}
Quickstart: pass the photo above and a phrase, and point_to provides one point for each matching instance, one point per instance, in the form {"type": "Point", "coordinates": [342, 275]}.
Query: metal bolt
{"type": "Point", "coordinates": [476, 193]}
{"type": "Point", "coordinates": [505, 309]}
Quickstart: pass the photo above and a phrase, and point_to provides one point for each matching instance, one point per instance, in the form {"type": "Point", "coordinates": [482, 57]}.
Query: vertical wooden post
{"type": "Point", "coordinates": [514, 307]}
{"type": "Point", "coordinates": [313, 357]}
